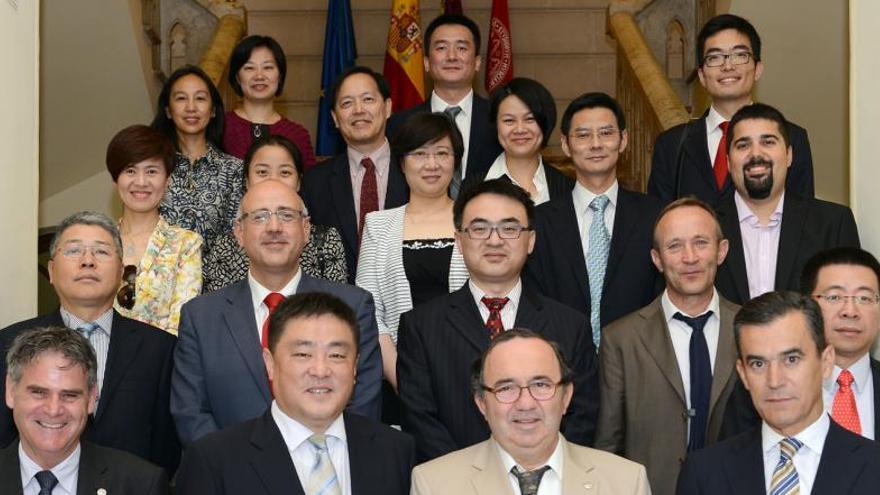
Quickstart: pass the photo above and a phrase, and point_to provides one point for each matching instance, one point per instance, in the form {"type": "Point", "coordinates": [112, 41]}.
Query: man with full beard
{"type": "Point", "coordinates": [772, 233]}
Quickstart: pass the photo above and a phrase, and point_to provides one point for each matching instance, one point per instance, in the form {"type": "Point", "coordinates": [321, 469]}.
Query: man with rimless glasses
{"type": "Point", "coordinates": [134, 359]}
{"type": "Point", "coordinates": [219, 376]}
{"type": "Point", "coordinates": [439, 340]}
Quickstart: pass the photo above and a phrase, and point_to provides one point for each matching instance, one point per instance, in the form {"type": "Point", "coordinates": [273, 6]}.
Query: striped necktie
{"type": "Point", "coordinates": [322, 477]}
{"type": "Point", "coordinates": [785, 477]}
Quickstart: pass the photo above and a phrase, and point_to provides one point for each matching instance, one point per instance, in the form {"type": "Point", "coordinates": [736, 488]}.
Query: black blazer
{"type": "Point", "coordinates": [850, 465]}
{"type": "Point", "coordinates": [99, 467]}
{"type": "Point", "coordinates": [808, 226]}
{"type": "Point", "coordinates": [557, 267]}
{"type": "Point", "coordinates": [484, 147]}
{"type": "Point", "coordinates": [685, 148]}
{"type": "Point", "coordinates": [252, 458]}
{"type": "Point", "coordinates": [133, 413]}
{"type": "Point", "coordinates": [437, 345]}
{"type": "Point", "coordinates": [327, 193]}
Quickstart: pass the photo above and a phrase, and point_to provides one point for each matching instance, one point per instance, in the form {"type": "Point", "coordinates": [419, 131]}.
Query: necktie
{"type": "Point", "coordinates": [272, 300]}
{"type": "Point", "coordinates": [322, 478]}
{"type": "Point", "coordinates": [597, 260]}
{"type": "Point", "coordinates": [455, 185]}
{"type": "Point", "coordinates": [87, 330]}
{"type": "Point", "coordinates": [785, 478]}
{"type": "Point", "coordinates": [494, 323]}
{"type": "Point", "coordinates": [701, 379]}
{"type": "Point", "coordinates": [47, 482]}
{"type": "Point", "coordinates": [529, 480]}
{"type": "Point", "coordinates": [369, 192]}
{"type": "Point", "coordinates": [720, 165]}
{"type": "Point", "coordinates": [844, 411]}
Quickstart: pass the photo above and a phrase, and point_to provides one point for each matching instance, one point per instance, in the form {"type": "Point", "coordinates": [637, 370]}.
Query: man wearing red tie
{"type": "Point", "coordinates": [219, 377]}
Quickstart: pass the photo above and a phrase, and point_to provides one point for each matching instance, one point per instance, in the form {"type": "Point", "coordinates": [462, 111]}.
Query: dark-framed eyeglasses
{"type": "Point", "coordinates": [126, 295]}
{"type": "Point", "coordinates": [483, 230]}
{"type": "Point", "coordinates": [718, 59]}
{"type": "Point", "coordinates": [511, 392]}
{"type": "Point", "coordinates": [262, 216]}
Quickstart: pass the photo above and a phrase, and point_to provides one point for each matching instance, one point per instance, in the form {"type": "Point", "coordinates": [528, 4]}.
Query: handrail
{"type": "Point", "coordinates": [230, 29]}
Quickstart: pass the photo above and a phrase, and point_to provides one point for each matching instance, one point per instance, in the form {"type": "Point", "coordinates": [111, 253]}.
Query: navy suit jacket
{"type": "Point", "coordinates": [681, 166]}
{"type": "Point", "coordinates": [327, 193]}
{"type": "Point", "coordinates": [557, 267]}
{"type": "Point", "coordinates": [219, 376]}
{"type": "Point", "coordinates": [850, 465]}
{"type": "Point", "coordinates": [252, 458]}
{"type": "Point", "coordinates": [132, 414]}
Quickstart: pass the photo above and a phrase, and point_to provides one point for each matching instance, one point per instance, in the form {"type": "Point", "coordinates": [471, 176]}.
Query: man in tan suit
{"type": "Point", "coordinates": [667, 370]}
{"type": "Point", "coordinates": [522, 386]}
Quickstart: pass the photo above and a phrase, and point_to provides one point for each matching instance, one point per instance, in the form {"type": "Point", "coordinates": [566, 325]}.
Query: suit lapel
{"type": "Point", "coordinates": [793, 218]}
{"type": "Point", "coordinates": [658, 343]}
{"type": "Point", "coordinates": [579, 474]}
{"type": "Point", "coordinates": [529, 314]}
{"type": "Point", "coordinates": [698, 150]}
{"type": "Point", "coordinates": [362, 460]}
{"type": "Point", "coordinates": [158, 239]}
{"type": "Point", "coordinates": [875, 375]}
{"type": "Point", "coordinates": [93, 473]}
{"type": "Point", "coordinates": [396, 193]}
{"type": "Point", "coordinates": [343, 199]}
{"type": "Point", "coordinates": [840, 465]}
{"type": "Point", "coordinates": [10, 470]}
{"type": "Point", "coordinates": [744, 469]}
{"type": "Point", "coordinates": [625, 219]}
{"type": "Point", "coordinates": [465, 318]}
{"type": "Point", "coordinates": [240, 323]}
{"type": "Point", "coordinates": [490, 474]}
{"type": "Point", "coordinates": [125, 344]}
{"type": "Point", "coordinates": [736, 260]}
{"type": "Point", "coordinates": [271, 459]}
{"type": "Point", "coordinates": [564, 229]}
{"type": "Point", "coordinates": [724, 357]}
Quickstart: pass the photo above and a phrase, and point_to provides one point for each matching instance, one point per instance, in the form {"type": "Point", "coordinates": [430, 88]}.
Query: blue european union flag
{"type": "Point", "coordinates": [339, 54]}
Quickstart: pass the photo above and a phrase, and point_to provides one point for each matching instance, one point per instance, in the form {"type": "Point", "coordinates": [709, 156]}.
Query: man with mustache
{"type": "Point", "coordinates": [339, 192]}
{"type": "Point", "coordinates": [219, 377]}
{"type": "Point", "coordinates": [772, 231]}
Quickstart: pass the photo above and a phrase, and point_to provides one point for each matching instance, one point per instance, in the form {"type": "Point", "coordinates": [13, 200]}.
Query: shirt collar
{"type": "Point", "coordinates": [582, 196]}
{"type": "Point", "coordinates": [64, 471]}
{"type": "Point", "coordinates": [745, 213]}
{"type": "Point", "coordinates": [295, 433]}
{"type": "Point", "coordinates": [381, 158]}
{"type": "Point", "coordinates": [259, 293]}
{"type": "Point", "coordinates": [104, 322]}
{"type": "Point", "coordinates": [499, 168]}
{"type": "Point", "coordinates": [713, 119]}
{"type": "Point", "coordinates": [513, 295]}
{"type": "Point", "coordinates": [669, 309]}
{"type": "Point", "coordinates": [813, 436]}
{"type": "Point", "coordinates": [466, 104]}
{"type": "Point", "coordinates": [861, 372]}
{"type": "Point", "coordinates": [555, 461]}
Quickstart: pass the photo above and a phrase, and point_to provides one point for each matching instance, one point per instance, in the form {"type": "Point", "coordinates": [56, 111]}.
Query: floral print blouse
{"type": "Point", "coordinates": [169, 274]}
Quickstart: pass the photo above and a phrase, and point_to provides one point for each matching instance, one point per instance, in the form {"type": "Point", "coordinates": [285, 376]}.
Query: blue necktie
{"type": "Point", "coordinates": [47, 482]}
{"type": "Point", "coordinates": [455, 184]}
{"type": "Point", "coordinates": [87, 329]}
{"type": "Point", "coordinates": [701, 379]}
{"type": "Point", "coordinates": [597, 260]}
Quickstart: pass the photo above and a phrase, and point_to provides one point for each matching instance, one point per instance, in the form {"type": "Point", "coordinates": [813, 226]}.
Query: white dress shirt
{"type": "Point", "coordinates": [508, 312]}
{"type": "Point", "coordinates": [806, 460]}
{"type": "Point", "coordinates": [582, 198]}
{"type": "Point", "coordinates": [462, 120]}
{"type": "Point", "coordinates": [100, 339]}
{"type": "Point", "coordinates": [499, 168]}
{"type": "Point", "coordinates": [66, 472]}
{"type": "Point", "coordinates": [863, 390]}
{"type": "Point", "coordinates": [713, 133]}
{"type": "Point", "coordinates": [302, 453]}
{"type": "Point", "coordinates": [259, 293]}
{"type": "Point", "coordinates": [760, 245]}
{"type": "Point", "coordinates": [551, 482]}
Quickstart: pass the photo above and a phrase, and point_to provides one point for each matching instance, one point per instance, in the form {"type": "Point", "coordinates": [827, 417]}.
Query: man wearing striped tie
{"type": "Point", "coordinates": [783, 359]}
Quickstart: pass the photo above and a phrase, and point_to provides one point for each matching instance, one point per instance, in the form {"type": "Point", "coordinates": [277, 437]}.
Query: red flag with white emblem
{"type": "Point", "coordinates": [499, 66]}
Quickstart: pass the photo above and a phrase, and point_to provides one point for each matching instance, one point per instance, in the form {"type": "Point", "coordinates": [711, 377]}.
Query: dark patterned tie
{"type": "Point", "coordinates": [369, 192]}
{"type": "Point", "coordinates": [455, 185]}
{"type": "Point", "coordinates": [494, 323]}
{"type": "Point", "coordinates": [47, 482]}
{"type": "Point", "coordinates": [529, 480]}
{"type": "Point", "coordinates": [701, 378]}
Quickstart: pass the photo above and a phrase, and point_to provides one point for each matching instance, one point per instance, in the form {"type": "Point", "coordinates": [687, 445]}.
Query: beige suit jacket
{"type": "Point", "coordinates": [478, 470]}
{"type": "Point", "coordinates": [642, 410]}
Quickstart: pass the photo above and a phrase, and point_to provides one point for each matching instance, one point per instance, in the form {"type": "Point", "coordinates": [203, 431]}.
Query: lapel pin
{"type": "Point", "coordinates": [101, 491]}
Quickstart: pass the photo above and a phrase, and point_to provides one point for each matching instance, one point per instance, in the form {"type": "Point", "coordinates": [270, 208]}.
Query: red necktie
{"type": "Point", "coordinates": [369, 192]}
{"type": "Point", "coordinates": [494, 324]}
{"type": "Point", "coordinates": [844, 411]}
{"type": "Point", "coordinates": [272, 300]}
{"type": "Point", "coordinates": [720, 165]}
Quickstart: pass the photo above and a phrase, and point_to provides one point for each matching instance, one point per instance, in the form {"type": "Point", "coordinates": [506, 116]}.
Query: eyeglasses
{"type": "Point", "coordinates": [261, 217]}
{"type": "Point", "coordinates": [604, 134]}
{"type": "Point", "coordinates": [510, 393]}
{"type": "Point", "coordinates": [718, 59]}
{"type": "Point", "coordinates": [866, 299]}
{"type": "Point", "coordinates": [126, 294]}
{"type": "Point", "coordinates": [76, 250]}
{"type": "Point", "coordinates": [483, 230]}
{"type": "Point", "coordinates": [422, 156]}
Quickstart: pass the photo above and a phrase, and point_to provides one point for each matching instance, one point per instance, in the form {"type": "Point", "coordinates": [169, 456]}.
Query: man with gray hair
{"type": "Point", "coordinates": [134, 360]}
{"type": "Point", "coordinates": [51, 386]}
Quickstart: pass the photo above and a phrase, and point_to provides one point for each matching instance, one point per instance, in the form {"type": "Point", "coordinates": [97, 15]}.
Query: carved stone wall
{"type": "Point", "coordinates": [656, 21]}
{"type": "Point", "coordinates": [180, 31]}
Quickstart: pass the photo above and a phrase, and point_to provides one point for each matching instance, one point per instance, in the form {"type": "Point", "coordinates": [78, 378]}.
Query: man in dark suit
{"type": "Point", "coordinates": [304, 443]}
{"type": "Point", "coordinates": [51, 386]}
{"type": "Point", "coordinates": [691, 158]}
{"type": "Point", "coordinates": [593, 247]}
{"type": "Point", "coordinates": [783, 359]}
{"type": "Point", "coordinates": [452, 59]}
{"type": "Point", "coordinates": [772, 231]}
{"type": "Point", "coordinates": [439, 341]}
{"type": "Point", "coordinates": [341, 191]}
{"type": "Point", "coordinates": [134, 359]}
{"type": "Point", "coordinates": [219, 378]}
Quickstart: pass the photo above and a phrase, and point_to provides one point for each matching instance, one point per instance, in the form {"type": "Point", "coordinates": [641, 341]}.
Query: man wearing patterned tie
{"type": "Point", "coordinates": [782, 360]}
{"type": "Point", "coordinates": [439, 340]}
{"type": "Point", "coordinates": [219, 378]}
{"type": "Point", "coordinates": [304, 444]}
{"type": "Point", "coordinates": [134, 359]}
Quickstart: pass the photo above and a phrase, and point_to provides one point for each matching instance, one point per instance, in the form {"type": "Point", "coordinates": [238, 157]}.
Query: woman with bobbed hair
{"type": "Point", "coordinates": [163, 262]}
{"type": "Point", "coordinates": [206, 185]}
{"type": "Point", "coordinates": [524, 114]}
{"type": "Point", "coordinates": [257, 70]}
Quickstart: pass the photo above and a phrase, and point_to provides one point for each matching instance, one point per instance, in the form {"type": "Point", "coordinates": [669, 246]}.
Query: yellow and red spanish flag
{"type": "Point", "coordinates": [404, 69]}
{"type": "Point", "coordinates": [499, 63]}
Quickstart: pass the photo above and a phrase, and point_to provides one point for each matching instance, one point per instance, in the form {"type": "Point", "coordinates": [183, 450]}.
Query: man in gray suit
{"type": "Point", "coordinates": [667, 370]}
{"type": "Point", "coordinates": [219, 378]}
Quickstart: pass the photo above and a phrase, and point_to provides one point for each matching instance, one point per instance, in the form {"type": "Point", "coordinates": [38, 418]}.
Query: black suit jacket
{"type": "Point", "coordinates": [133, 413]}
{"type": "Point", "coordinates": [850, 465]}
{"type": "Point", "coordinates": [437, 345]}
{"type": "Point", "coordinates": [681, 166]}
{"type": "Point", "coordinates": [484, 147]}
{"type": "Point", "coordinates": [99, 467]}
{"type": "Point", "coordinates": [252, 458]}
{"type": "Point", "coordinates": [808, 226]}
{"type": "Point", "coordinates": [327, 193]}
{"type": "Point", "coordinates": [557, 267]}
